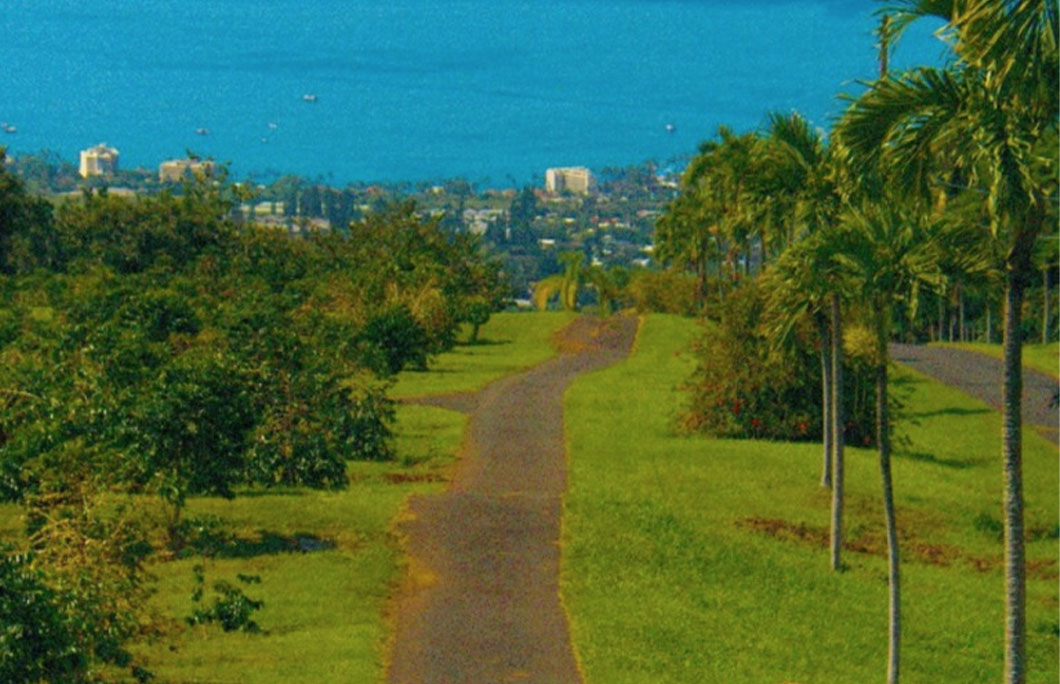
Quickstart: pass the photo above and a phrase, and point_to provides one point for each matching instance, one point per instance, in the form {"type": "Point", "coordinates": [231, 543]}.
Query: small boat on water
{"type": "Point", "coordinates": [309, 97]}
{"type": "Point", "coordinates": [8, 128]}
{"type": "Point", "coordinates": [202, 131]}
{"type": "Point", "coordinates": [670, 128]}
{"type": "Point", "coordinates": [272, 126]}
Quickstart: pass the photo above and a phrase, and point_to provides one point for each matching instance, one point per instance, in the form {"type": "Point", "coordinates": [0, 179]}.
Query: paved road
{"type": "Point", "coordinates": [482, 603]}
{"type": "Point", "coordinates": [981, 376]}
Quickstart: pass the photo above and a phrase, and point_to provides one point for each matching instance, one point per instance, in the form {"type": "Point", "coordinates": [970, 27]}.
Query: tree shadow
{"type": "Point", "coordinates": [924, 457]}
{"type": "Point", "coordinates": [264, 543]}
{"type": "Point", "coordinates": [484, 343]}
{"type": "Point", "coordinates": [948, 412]}
{"type": "Point", "coordinates": [271, 491]}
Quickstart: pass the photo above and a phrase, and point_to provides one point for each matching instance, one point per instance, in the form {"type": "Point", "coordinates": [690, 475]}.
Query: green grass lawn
{"type": "Point", "coordinates": [1040, 357]}
{"type": "Point", "coordinates": [509, 343]}
{"type": "Point", "coordinates": [323, 616]}
{"type": "Point", "coordinates": [689, 559]}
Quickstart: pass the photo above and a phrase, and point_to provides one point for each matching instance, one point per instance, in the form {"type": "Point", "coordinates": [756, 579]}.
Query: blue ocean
{"type": "Point", "coordinates": [493, 91]}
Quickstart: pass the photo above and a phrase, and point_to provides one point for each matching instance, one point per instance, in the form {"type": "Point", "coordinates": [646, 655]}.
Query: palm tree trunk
{"type": "Point", "coordinates": [942, 317]}
{"type": "Point", "coordinates": [701, 281]}
{"type": "Point", "coordinates": [837, 433]}
{"type": "Point", "coordinates": [1012, 455]}
{"type": "Point", "coordinates": [960, 302]}
{"type": "Point", "coordinates": [826, 397]}
{"type": "Point", "coordinates": [883, 443]}
{"type": "Point", "coordinates": [1045, 305]}
{"type": "Point", "coordinates": [989, 324]}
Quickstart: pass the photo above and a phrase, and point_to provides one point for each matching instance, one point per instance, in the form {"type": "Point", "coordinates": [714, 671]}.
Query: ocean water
{"type": "Point", "coordinates": [493, 91]}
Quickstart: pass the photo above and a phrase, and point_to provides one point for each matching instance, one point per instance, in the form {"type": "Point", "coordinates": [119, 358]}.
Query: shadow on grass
{"type": "Point", "coordinates": [948, 412]}
{"type": "Point", "coordinates": [925, 457]}
{"type": "Point", "coordinates": [484, 343]}
{"type": "Point", "coordinates": [273, 491]}
{"type": "Point", "coordinates": [265, 543]}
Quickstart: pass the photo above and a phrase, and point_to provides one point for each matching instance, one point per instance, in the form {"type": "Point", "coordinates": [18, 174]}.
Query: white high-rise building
{"type": "Point", "coordinates": [98, 161]}
{"type": "Point", "coordinates": [576, 179]}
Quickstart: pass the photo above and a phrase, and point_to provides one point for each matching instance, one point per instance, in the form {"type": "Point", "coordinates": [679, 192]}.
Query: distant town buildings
{"type": "Point", "coordinates": [574, 179]}
{"type": "Point", "coordinates": [478, 220]}
{"type": "Point", "coordinates": [175, 170]}
{"type": "Point", "coordinates": [98, 161]}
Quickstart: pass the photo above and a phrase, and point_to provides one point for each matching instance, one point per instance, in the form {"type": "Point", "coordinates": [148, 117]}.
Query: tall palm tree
{"type": "Point", "coordinates": [996, 108]}
{"type": "Point", "coordinates": [683, 236]}
{"type": "Point", "coordinates": [804, 281]}
{"type": "Point", "coordinates": [797, 173]}
{"type": "Point", "coordinates": [886, 255]}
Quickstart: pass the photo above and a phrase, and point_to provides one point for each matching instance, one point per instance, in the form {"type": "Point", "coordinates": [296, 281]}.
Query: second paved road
{"type": "Point", "coordinates": [483, 604]}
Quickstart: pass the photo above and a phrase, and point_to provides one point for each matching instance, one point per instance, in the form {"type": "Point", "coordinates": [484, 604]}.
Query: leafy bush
{"type": "Point", "coordinates": [663, 292]}
{"type": "Point", "coordinates": [743, 386]}
{"type": "Point", "coordinates": [71, 603]}
{"type": "Point", "coordinates": [391, 340]}
{"type": "Point", "coordinates": [37, 641]}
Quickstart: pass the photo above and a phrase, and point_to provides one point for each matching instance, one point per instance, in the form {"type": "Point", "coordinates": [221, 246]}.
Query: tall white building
{"type": "Point", "coordinates": [98, 161]}
{"type": "Point", "coordinates": [576, 179]}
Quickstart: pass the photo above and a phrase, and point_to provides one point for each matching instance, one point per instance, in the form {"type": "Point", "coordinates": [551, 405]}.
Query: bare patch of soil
{"type": "Point", "coordinates": [873, 542]}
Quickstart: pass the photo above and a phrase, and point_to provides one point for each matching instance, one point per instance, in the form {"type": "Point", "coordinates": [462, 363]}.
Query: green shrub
{"type": "Point", "coordinates": [743, 386]}
{"type": "Point", "coordinates": [663, 292]}
{"type": "Point", "coordinates": [37, 641]}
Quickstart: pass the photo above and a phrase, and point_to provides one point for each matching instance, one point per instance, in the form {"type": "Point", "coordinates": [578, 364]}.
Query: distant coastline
{"type": "Point", "coordinates": [493, 92]}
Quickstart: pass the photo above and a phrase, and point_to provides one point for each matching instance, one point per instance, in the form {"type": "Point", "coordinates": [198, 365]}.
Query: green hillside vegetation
{"type": "Point", "coordinates": [690, 559]}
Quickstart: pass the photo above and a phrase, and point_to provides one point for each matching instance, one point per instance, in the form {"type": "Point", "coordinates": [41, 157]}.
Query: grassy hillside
{"type": "Point", "coordinates": [688, 559]}
{"type": "Point", "coordinates": [1040, 357]}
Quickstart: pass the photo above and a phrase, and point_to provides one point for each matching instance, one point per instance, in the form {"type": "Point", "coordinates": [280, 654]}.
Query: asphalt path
{"type": "Point", "coordinates": [981, 376]}
{"type": "Point", "coordinates": [482, 604]}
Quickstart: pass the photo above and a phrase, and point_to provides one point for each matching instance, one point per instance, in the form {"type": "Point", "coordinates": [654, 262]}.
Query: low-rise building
{"type": "Point", "coordinates": [575, 179]}
{"type": "Point", "coordinates": [175, 170]}
{"type": "Point", "coordinates": [477, 221]}
{"type": "Point", "coordinates": [98, 161]}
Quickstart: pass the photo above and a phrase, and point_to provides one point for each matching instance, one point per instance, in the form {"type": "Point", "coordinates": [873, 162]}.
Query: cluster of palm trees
{"type": "Point", "coordinates": [933, 180]}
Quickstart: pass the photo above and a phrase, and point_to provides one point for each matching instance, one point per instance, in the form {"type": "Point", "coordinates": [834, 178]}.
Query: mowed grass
{"type": "Point", "coordinates": [687, 559]}
{"type": "Point", "coordinates": [509, 343]}
{"type": "Point", "coordinates": [1041, 357]}
{"type": "Point", "coordinates": [323, 617]}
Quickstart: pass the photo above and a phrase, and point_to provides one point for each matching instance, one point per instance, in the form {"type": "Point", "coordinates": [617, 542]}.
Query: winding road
{"type": "Point", "coordinates": [482, 601]}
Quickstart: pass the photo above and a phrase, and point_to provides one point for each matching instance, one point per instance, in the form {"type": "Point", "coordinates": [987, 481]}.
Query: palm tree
{"type": "Point", "coordinates": [565, 284]}
{"type": "Point", "coordinates": [683, 235]}
{"type": "Point", "coordinates": [608, 284]}
{"type": "Point", "coordinates": [798, 168]}
{"type": "Point", "coordinates": [996, 110]}
{"type": "Point", "coordinates": [804, 281]}
{"type": "Point", "coordinates": [799, 287]}
{"type": "Point", "coordinates": [886, 255]}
